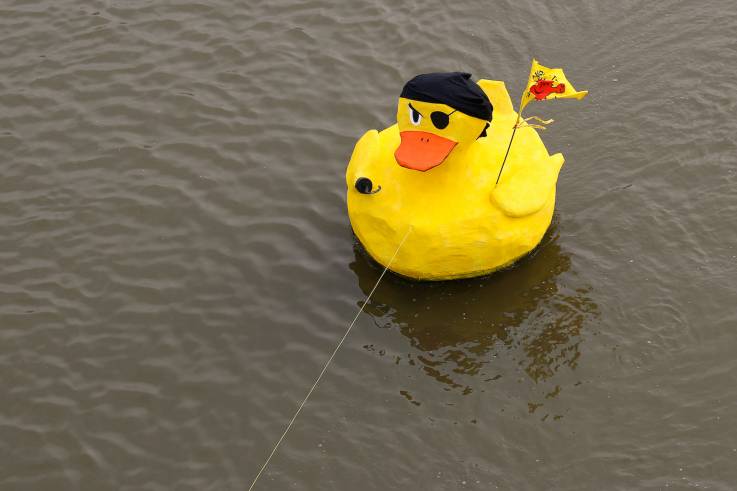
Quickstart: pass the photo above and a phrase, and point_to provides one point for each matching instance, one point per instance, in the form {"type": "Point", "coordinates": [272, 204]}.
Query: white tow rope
{"type": "Point", "coordinates": [324, 369]}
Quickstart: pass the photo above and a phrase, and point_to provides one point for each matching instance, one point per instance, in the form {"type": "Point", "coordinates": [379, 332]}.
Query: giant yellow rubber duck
{"type": "Point", "coordinates": [429, 182]}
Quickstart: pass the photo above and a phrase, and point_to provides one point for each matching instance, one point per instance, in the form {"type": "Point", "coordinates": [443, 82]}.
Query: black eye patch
{"type": "Point", "coordinates": [440, 119]}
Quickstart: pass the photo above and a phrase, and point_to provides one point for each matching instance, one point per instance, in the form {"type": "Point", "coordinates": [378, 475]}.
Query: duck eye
{"type": "Point", "coordinates": [414, 116]}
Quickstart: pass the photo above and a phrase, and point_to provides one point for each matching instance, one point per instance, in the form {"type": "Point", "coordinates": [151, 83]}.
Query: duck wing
{"type": "Point", "coordinates": [363, 157]}
{"type": "Point", "coordinates": [525, 188]}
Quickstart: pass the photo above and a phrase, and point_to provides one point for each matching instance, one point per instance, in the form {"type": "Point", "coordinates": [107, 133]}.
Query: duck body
{"type": "Point", "coordinates": [454, 220]}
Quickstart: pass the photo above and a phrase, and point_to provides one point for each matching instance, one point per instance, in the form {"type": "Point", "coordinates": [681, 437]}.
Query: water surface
{"type": "Point", "coordinates": [176, 262]}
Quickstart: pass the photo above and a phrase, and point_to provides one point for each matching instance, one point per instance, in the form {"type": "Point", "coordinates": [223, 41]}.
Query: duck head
{"type": "Point", "coordinates": [439, 114]}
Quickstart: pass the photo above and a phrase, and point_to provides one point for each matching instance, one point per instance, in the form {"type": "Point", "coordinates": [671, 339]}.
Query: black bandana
{"type": "Point", "coordinates": [455, 89]}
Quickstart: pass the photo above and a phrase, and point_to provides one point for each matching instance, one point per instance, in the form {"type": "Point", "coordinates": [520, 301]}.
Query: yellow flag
{"type": "Point", "coordinates": [548, 83]}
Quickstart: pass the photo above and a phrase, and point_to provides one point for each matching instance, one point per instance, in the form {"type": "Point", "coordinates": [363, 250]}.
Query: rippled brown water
{"type": "Point", "coordinates": [176, 260]}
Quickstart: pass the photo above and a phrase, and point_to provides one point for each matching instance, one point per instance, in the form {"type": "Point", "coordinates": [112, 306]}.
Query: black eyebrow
{"type": "Point", "coordinates": [415, 110]}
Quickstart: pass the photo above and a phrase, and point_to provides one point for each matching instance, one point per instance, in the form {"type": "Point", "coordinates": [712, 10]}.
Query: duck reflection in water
{"type": "Point", "coordinates": [533, 312]}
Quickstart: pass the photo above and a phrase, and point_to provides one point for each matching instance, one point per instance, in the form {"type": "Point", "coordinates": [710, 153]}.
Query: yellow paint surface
{"type": "Point", "coordinates": [462, 225]}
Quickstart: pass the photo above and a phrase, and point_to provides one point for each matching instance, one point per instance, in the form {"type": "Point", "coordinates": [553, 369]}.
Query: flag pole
{"type": "Point", "coordinates": [516, 124]}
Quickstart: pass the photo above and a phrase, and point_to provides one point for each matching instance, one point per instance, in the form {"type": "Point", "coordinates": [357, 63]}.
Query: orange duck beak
{"type": "Point", "coordinates": [420, 150]}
